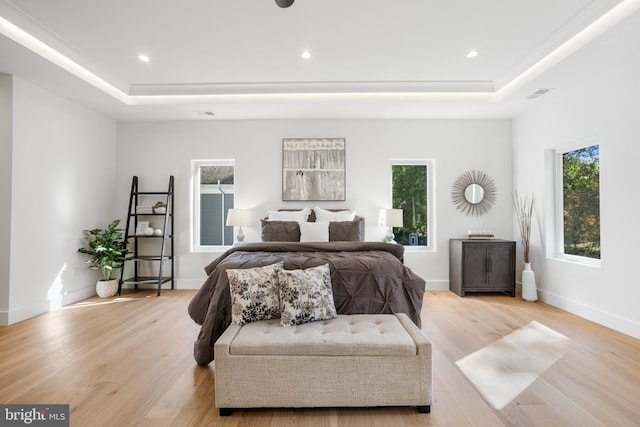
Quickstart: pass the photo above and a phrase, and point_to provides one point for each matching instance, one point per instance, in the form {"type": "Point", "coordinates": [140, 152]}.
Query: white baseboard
{"type": "Point", "coordinates": [610, 320]}
{"type": "Point", "coordinates": [39, 307]}
{"type": "Point", "coordinates": [436, 285]}
{"type": "Point", "coordinates": [180, 284]}
{"type": "Point", "coordinates": [189, 283]}
{"type": "Point", "coordinates": [79, 295]}
{"type": "Point", "coordinates": [613, 321]}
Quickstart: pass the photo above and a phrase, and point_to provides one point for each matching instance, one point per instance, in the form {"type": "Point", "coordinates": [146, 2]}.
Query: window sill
{"type": "Point", "coordinates": [587, 262]}
{"type": "Point", "coordinates": [211, 249]}
{"type": "Point", "coordinates": [418, 249]}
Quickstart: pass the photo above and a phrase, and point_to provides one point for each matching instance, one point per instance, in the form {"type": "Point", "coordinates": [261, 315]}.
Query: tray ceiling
{"type": "Point", "coordinates": [242, 58]}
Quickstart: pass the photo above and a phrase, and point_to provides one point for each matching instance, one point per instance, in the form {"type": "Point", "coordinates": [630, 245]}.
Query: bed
{"type": "Point", "coordinates": [366, 278]}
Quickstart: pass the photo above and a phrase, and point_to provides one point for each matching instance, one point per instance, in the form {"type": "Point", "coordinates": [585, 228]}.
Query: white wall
{"type": "Point", "coordinates": [6, 131]}
{"type": "Point", "coordinates": [63, 181]}
{"type": "Point", "coordinates": [154, 150]}
{"type": "Point", "coordinates": [606, 108]}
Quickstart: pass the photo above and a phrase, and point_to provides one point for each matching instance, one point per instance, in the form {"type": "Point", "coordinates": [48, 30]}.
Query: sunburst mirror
{"type": "Point", "coordinates": [474, 193]}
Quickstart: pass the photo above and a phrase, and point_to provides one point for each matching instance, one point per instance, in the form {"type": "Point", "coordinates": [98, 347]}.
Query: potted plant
{"type": "Point", "coordinates": [160, 208]}
{"type": "Point", "coordinates": [107, 250]}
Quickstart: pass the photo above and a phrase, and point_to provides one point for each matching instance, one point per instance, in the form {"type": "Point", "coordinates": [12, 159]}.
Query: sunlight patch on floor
{"type": "Point", "coordinates": [93, 303]}
{"type": "Point", "coordinates": [504, 369]}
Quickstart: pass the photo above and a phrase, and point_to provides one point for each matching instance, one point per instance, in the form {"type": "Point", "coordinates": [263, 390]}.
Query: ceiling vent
{"type": "Point", "coordinates": [205, 113]}
{"type": "Point", "coordinates": [539, 93]}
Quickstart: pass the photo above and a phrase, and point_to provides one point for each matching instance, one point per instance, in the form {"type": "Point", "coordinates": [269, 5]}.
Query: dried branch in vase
{"type": "Point", "coordinates": [524, 213]}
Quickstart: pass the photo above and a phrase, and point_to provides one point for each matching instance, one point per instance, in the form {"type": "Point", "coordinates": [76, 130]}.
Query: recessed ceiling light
{"type": "Point", "coordinates": [305, 54]}
{"type": "Point", "coordinates": [144, 58]}
{"type": "Point", "coordinates": [472, 54]}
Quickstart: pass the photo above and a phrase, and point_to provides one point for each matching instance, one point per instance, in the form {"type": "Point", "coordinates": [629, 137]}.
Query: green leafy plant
{"type": "Point", "coordinates": [160, 205]}
{"type": "Point", "coordinates": [106, 248]}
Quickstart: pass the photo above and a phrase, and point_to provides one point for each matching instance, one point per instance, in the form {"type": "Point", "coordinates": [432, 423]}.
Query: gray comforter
{"type": "Point", "coordinates": [367, 277]}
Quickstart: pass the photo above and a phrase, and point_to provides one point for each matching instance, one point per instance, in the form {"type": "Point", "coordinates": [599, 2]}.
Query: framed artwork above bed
{"type": "Point", "coordinates": [313, 169]}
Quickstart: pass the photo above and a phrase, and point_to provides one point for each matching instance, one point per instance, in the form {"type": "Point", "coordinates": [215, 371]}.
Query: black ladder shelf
{"type": "Point", "coordinates": [134, 238]}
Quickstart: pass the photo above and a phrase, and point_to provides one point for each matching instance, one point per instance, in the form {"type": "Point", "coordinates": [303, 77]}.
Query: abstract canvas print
{"type": "Point", "coordinates": [313, 169]}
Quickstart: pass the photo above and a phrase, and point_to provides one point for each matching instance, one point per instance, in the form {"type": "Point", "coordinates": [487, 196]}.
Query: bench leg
{"type": "Point", "coordinates": [225, 412]}
{"type": "Point", "coordinates": [424, 409]}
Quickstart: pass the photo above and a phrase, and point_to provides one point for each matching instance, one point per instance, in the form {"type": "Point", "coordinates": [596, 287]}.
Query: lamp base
{"type": "Point", "coordinates": [390, 237]}
{"type": "Point", "coordinates": [240, 235]}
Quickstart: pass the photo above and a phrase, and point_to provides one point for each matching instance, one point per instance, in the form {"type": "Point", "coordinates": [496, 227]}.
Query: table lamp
{"type": "Point", "coordinates": [238, 218]}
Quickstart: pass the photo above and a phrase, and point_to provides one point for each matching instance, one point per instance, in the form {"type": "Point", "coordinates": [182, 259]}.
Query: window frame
{"type": "Point", "coordinates": [559, 252]}
{"type": "Point", "coordinates": [431, 199]}
{"type": "Point", "coordinates": [195, 202]}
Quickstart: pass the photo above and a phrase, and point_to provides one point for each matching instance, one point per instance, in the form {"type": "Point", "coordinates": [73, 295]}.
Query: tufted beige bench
{"type": "Point", "coordinates": [352, 360]}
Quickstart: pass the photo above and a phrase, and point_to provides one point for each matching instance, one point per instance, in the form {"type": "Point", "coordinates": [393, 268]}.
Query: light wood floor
{"type": "Point", "coordinates": [128, 362]}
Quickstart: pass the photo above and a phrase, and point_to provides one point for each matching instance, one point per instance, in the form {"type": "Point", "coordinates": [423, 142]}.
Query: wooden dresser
{"type": "Point", "coordinates": [482, 266]}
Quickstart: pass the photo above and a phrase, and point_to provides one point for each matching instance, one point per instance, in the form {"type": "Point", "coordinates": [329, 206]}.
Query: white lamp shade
{"type": "Point", "coordinates": [239, 217]}
{"type": "Point", "coordinates": [391, 217]}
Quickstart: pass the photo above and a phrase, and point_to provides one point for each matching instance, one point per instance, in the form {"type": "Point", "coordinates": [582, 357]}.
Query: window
{"type": "Point", "coordinates": [579, 201]}
{"type": "Point", "coordinates": [213, 196]}
{"type": "Point", "coordinates": [412, 191]}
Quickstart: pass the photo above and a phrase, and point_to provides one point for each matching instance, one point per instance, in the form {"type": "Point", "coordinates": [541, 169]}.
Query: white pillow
{"type": "Point", "coordinates": [325, 215]}
{"type": "Point", "coordinates": [299, 216]}
{"type": "Point", "coordinates": [314, 231]}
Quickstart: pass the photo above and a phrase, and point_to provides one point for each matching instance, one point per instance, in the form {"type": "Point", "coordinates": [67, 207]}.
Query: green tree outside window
{"type": "Point", "coordinates": [581, 201]}
{"type": "Point", "coordinates": [409, 193]}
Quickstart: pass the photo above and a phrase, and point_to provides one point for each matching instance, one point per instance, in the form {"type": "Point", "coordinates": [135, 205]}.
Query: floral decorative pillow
{"type": "Point", "coordinates": [306, 295]}
{"type": "Point", "coordinates": [254, 293]}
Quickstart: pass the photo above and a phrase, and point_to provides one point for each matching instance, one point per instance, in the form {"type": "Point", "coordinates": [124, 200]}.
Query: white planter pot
{"type": "Point", "coordinates": [529, 290]}
{"type": "Point", "coordinates": [107, 288]}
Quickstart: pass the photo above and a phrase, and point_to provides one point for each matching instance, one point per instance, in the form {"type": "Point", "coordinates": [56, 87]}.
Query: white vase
{"type": "Point", "coordinates": [107, 288]}
{"type": "Point", "coordinates": [529, 291]}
